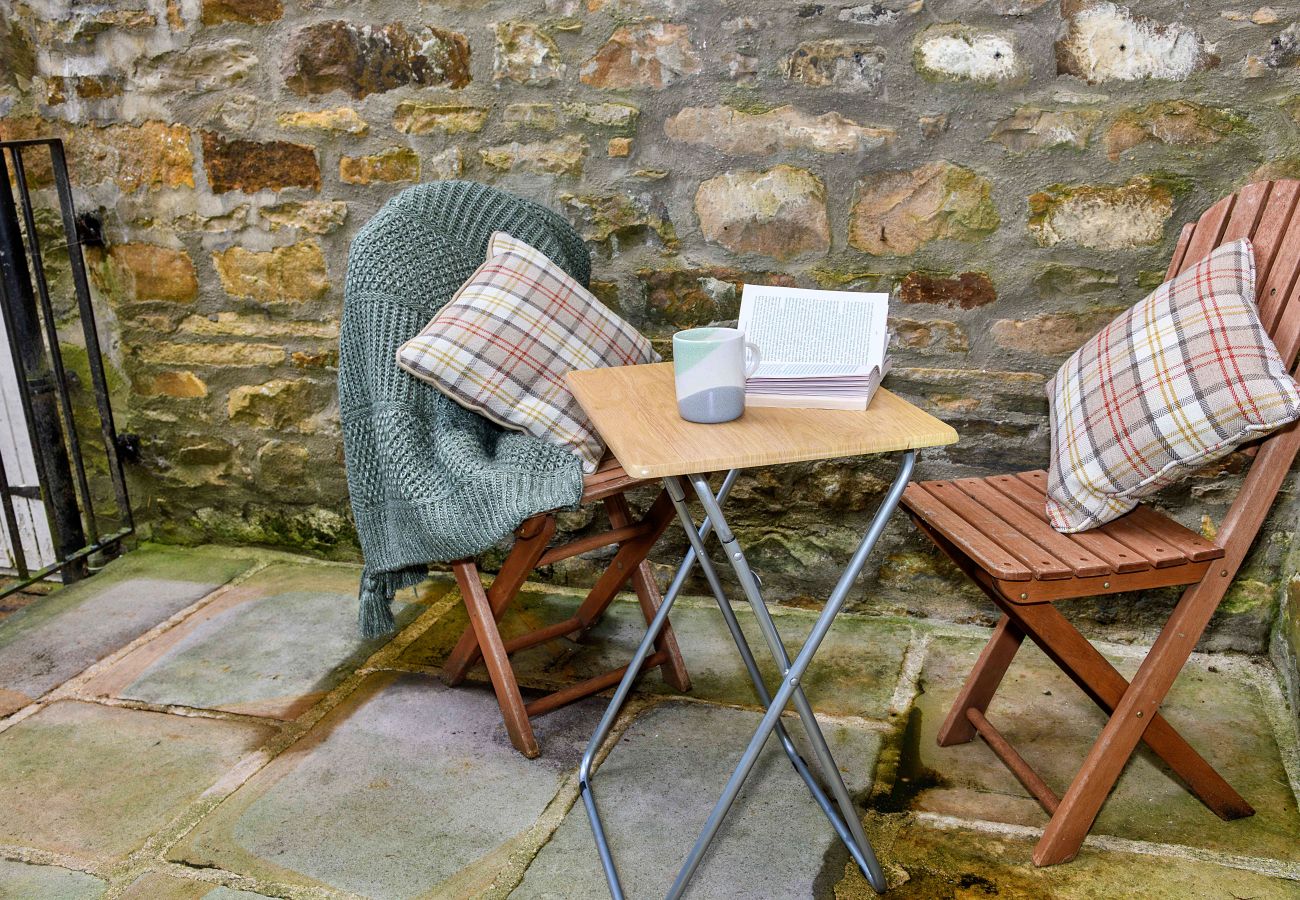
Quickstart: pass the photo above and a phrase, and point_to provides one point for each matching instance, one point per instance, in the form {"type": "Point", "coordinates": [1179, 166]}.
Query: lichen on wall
{"type": "Point", "coordinates": [1015, 171]}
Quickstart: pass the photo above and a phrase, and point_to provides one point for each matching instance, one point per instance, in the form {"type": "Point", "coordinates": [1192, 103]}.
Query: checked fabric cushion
{"type": "Point", "coordinates": [1172, 384]}
{"type": "Point", "coordinates": [504, 342]}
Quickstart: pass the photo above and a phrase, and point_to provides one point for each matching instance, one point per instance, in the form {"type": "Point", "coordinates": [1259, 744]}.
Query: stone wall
{"type": "Point", "coordinates": [1015, 171]}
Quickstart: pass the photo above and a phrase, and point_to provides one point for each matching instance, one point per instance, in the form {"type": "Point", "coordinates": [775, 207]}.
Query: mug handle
{"type": "Point", "coordinates": [755, 358]}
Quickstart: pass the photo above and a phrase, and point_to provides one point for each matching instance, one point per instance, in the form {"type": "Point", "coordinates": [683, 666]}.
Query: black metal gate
{"type": "Point", "coordinates": [87, 514]}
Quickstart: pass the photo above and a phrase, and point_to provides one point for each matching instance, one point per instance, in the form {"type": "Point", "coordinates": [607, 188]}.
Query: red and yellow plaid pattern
{"type": "Point", "coordinates": [1172, 384]}
{"type": "Point", "coordinates": [503, 344]}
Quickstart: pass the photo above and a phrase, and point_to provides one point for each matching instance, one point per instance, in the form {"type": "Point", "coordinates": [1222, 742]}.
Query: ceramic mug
{"type": "Point", "coordinates": [710, 371]}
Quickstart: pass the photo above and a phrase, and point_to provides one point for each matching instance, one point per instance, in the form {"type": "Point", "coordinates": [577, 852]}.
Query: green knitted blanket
{"type": "Point", "coordinates": [429, 480]}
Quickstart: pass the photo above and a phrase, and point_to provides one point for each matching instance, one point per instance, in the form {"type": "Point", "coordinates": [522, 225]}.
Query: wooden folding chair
{"type": "Point", "coordinates": [995, 529]}
{"type": "Point", "coordinates": [634, 537]}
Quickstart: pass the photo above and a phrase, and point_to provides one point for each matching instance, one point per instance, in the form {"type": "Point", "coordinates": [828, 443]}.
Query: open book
{"type": "Point", "coordinates": [820, 349]}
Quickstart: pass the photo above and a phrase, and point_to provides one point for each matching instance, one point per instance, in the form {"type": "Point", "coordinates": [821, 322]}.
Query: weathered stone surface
{"type": "Point", "coordinates": [178, 384]}
{"type": "Point", "coordinates": [236, 654]}
{"type": "Point", "coordinates": [1052, 334]}
{"type": "Point", "coordinates": [258, 325]}
{"type": "Point", "coordinates": [965, 291]}
{"type": "Point", "coordinates": [882, 12]}
{"type": "Point", "coordinates": [151, 155]}
{"type": "Point", "coordinates": [366, 59]}
{"type": "Point", "coordinates": [202, 67]}
{"type": "Point", "coordinates": [563, 156]}
{"type": "Point", "coordinates": [895, 213]}
{"type": "Point", "coordinates": [46, 643]}
{"type": "Point", "coordinates": [313, 216]}
{"type": "Point", "coordinates": [1038, 129]}
{"type": "Point", "coordinates": [251, 12]}
{"type": "Point", "coordinates": [61, 779]}
{"type": "Point", "coordinates": [620, 116]}
{"type": "Point", "coordinates": [940, 335]}
{"type": "Point", "coordinates": [785, 128]}
{"type": "Point", "coordinates": [252, 166]}
{"type": "Point", "coordinates": [281, 404]}
{"type": "Point", "coordinates": [393, 164]}
{"type": "Point", "coordinates": [1057, 281]}
{"type": "Point", "coordinates": [450, 163]}
{"type": "Point", "coordinates": [657, 790]}
{"type": "Point", "coordinates": [647, 55]}
{"type": "Point", "coordinates": [294, 273]}
{"type": "Point", "coordinates": [1101, 217]}
{"type": "Point", "coordinates": [780, 212]}
{"type": "Point", "coordinates": [343, 119]}
{"type": "Point", "coordinates": [846, 65]}
{"type": "Point", "coordinates": [140, 271]}
{"type": "Point", "coordinates": [686, 298]}
{"type": "Point", "coordinates": [619, 147]}
{"type": "Point", "coordinates": [1179, 123]}
{"type": "Point", "coordinates": [416, 117]}
{"type": "Point", "coordinates": [156, 886]}
{"type": "Point", "coordinates": [456, 762]}
{"type": "Point", "coordinates": [539, 116]}
{"type": "Point", "coordinates": [525, 54]}
{"type": "Point", "coordinates": [620, 219]}
{"type": "Point", "coordinates": [218, 355]}
{"type": "Point", "coordinates": [953, 52]}
{"type": "Point", "coordinates": [1016, 7]}
{"type": "Point", "coordinates": [19, 879]}
{"type": "Point", "coordinates": [1283, 53]}
{"type": "Point", "coordinates": [1104, 41]}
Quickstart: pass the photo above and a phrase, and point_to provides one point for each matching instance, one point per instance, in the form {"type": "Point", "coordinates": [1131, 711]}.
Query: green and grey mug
{"type": "Point", "coordinates": [710, 370]}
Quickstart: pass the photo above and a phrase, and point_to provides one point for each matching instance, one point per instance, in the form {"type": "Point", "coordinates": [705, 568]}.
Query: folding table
{"type": "Point", "coordinates": [635, 410]}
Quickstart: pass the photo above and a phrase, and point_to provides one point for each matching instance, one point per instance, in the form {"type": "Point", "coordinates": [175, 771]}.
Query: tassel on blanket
{"type": "Point", "coordinates": [375, 614]}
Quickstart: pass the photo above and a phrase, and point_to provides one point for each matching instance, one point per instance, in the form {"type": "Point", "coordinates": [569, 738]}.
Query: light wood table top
{"type": "Point", "coordinates": [635, 410]}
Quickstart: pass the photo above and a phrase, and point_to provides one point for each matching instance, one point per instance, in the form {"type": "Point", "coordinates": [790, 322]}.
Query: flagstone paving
{"type": "Point", "coordinates": [658, 787]}
{"type": "Point", "coordinates": [253, 745]}
{"type": "Point", "coordinates": [95, 781]}
{"type": "Point", "coordinates": [271, 646]}
{"type": "Point", "coordinates": [47, 642]}
{"type": "Point", "coordinates": [857, 667]}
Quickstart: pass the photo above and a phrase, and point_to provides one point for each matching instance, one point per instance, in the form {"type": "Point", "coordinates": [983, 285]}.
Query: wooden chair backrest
{"type": "Point", "coordinates": [1266, 212]}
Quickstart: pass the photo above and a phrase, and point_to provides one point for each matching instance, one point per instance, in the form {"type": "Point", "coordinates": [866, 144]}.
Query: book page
{"type": "Point", "coordinates": [814, 334]}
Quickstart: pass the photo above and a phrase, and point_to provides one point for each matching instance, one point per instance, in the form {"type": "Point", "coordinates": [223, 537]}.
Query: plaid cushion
{"type": "Point", "coordinates": [1174, 383]}
{"type": "Point", "coordinates": [503, 344]}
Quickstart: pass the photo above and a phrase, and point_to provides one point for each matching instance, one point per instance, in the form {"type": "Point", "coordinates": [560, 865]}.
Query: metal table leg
{"type": "Point", "coordinates": [847, 825]}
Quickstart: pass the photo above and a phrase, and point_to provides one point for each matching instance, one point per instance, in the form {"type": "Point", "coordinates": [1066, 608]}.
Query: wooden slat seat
{"type": "Point", "coordinates": [1000, 524]}
{"type": "Point", "coordinates": [995, 530]}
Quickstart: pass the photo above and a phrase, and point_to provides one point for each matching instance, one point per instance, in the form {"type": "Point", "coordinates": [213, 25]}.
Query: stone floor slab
{"type": "Point", "coordinates": [156, 886]}
{"type": "Point", "coordinates": [404, 786]}
{"type": "Point", "coordinates": [1053, 725]}
{"type": "Point", "coordinates": [929, 863]}
{"type": "Point", "coordinates": [94, 781]}
{"type": "Point", "coordinates": [48, 642]}
{"type": "Point", "coordinates": [271, 646]}
{"type": "Point", "coordinates": [22, 880]}
{"type": "Point", "coordinates": [656, 790]}
{"type": "Point", "coordinates": [854, 674]}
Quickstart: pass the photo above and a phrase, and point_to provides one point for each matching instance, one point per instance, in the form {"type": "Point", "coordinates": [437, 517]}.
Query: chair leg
{"type": "Point", "coordinates": [531, 539]}
{"type": "Point", "coordinates": [483, 622]}
{"type": "Point", "coordinates": [982, 683]}
{"type": "Point", "coordinates": [1132, 717]}
{"type": "Point", "coordinates": [673, 669]}
{"type": "Point", "coordinates": [629, 556]}
{"type": "Point", "coordinates": [1094, 674]}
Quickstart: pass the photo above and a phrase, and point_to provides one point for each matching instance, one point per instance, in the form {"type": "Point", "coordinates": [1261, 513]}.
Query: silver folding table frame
{"type": "Point", "coordinates": [838, 807]}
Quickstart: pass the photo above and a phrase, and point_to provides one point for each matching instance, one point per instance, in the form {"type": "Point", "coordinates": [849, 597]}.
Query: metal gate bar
{"type": "Point", "coordinates": [44, 388]}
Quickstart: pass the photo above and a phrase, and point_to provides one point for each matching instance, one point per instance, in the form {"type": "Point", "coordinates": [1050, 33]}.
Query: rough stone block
{"type": "Point", "coordinates": [895, 213]}
{"type": "Point", "coordinates": [294, 273]}
{"type": "Point", "coordinates": [780, 212]}
{"type": "Point", "coordinates": [366, 59]}
{"type": "Point", "coordinates": [647, 55]}
{"type": "Point", "coordinates": [251, 166]}
{"type": "Point", "coordinates": [20, 880]}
